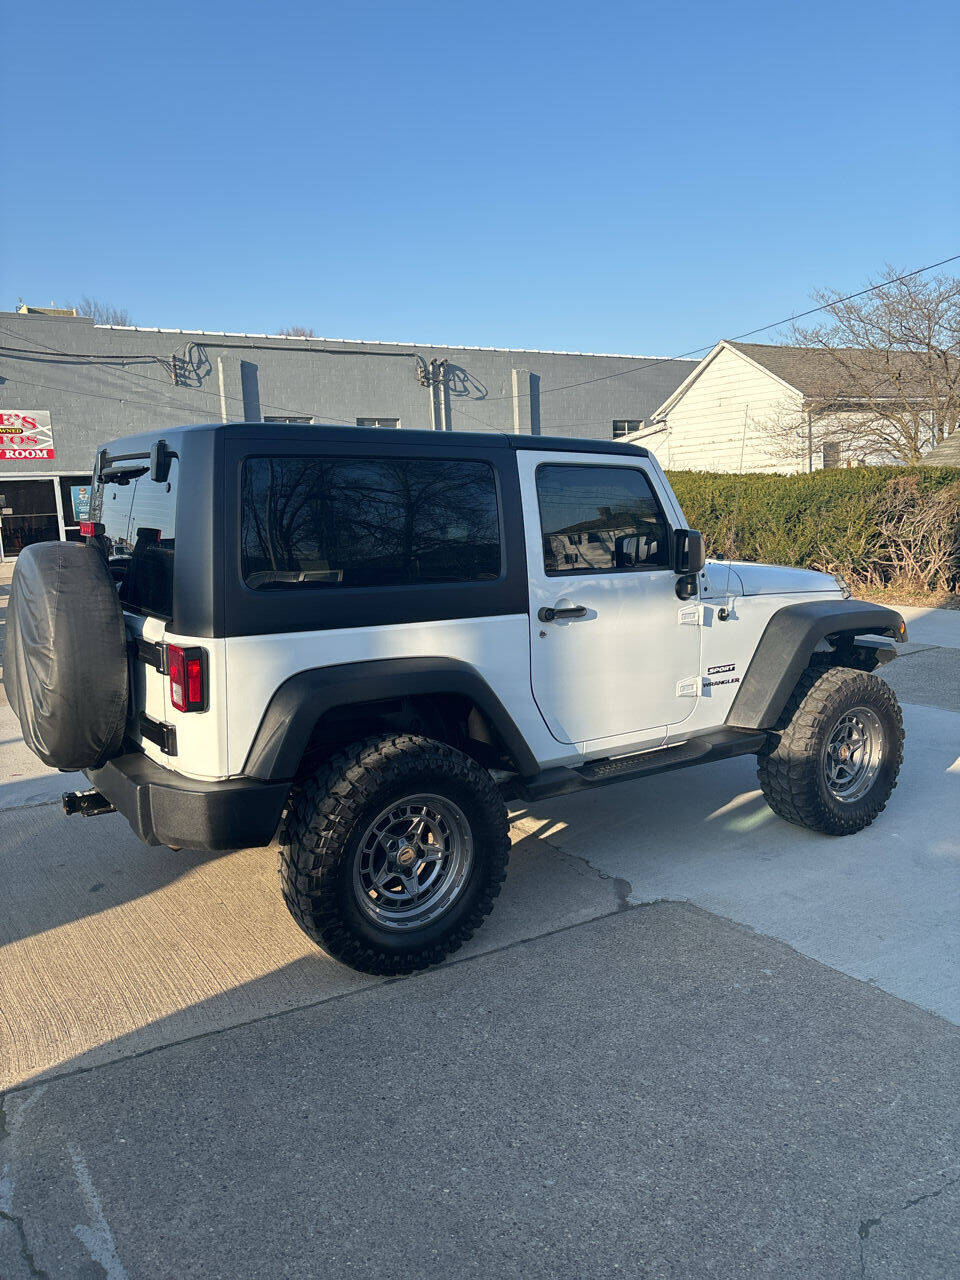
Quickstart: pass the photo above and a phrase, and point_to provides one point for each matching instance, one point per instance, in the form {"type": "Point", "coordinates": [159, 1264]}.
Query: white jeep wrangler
{"type": "Point", "coordinates": [363, 643]}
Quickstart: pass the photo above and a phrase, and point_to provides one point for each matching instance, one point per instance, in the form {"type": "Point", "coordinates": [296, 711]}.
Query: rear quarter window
{"type": "Point", "coordinates": [139, 524]}
{"type": "Point", "coordinates": [323, 523]}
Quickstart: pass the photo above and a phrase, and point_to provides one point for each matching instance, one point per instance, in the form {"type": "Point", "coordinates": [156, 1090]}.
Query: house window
{"type": "Point", "coordinates": [626, 426]}
{"type": "Point", "coordinates": [378, 422]}
{"type": "Point", "coordinates": [831, 454]}
{"type": "Point", "coordinates": [290, 418]}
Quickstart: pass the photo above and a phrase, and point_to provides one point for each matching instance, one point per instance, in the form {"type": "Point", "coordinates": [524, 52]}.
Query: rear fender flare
{"type": "Point", "coordinates": [787, 646]}
{"type": "Point", "coordinates": [302, 700]}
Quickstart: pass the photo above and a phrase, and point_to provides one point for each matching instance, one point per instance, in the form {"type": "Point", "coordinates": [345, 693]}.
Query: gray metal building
{"type": "Point", "coordinates": [67, 385]}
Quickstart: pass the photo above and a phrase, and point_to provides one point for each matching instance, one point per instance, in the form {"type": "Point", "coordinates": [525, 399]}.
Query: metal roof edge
{"type": "Point", "coordinates": [367, 342]}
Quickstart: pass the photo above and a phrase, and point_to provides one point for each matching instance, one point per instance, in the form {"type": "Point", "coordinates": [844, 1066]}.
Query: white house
{"type": "Point", "coordinates": [946, 454]}
{"type": "Point", "coordinates": [752, 407]}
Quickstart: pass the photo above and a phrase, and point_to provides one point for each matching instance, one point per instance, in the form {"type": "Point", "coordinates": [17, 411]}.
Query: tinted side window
{"type": "Point", "coordinates": [359, 522]}
{"type": "Point", "coordinates": [139, 525]}
{"type": "Point", "coordinates": [597, 519]}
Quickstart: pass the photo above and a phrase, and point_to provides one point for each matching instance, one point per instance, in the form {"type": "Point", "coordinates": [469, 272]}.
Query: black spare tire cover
{"type": "Point", "coordinates": [65, 661]}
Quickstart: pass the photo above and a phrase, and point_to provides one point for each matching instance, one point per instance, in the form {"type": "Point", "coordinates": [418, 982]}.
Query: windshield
{"type": "Point", "coordinates": [138, 517]}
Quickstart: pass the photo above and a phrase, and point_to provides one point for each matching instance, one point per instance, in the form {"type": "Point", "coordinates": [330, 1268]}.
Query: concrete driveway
{"type": "Point", "coordinates": [692, 1041]}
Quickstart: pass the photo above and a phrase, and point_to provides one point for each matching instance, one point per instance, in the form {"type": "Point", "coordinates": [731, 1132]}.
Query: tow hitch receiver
{"type": "Point", "coordinates": [89, 804]}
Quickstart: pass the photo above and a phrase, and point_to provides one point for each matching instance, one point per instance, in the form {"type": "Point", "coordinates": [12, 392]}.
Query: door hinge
{"type": "Point", "coordinates": [692, 616]}
{"type": "Point", "coordinates": [163, 735]}
{"type": "Point", "coordinates": [689, 688]}
{"type": "Point", "coordinates": [151, 653]}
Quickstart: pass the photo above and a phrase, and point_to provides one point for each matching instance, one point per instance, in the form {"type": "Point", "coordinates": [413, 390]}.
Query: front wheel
{"type": "Point", "coordinates": [393, 852]}
{"type": "Point", "coordinates": [839, 752]}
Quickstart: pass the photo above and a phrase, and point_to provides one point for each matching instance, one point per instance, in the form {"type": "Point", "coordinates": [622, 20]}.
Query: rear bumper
{"type": "Point", "coordinates": [164, 807]}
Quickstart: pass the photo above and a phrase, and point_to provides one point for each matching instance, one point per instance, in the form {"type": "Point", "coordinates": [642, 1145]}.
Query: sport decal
{"type": "Point", "coordinates": [716, 671]}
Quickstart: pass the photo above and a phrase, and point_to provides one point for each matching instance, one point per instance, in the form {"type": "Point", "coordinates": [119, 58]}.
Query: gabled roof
{"type": "Point", "coordinates": [698, 371]}
{"type": "Point", "coordinates": [847, 372]}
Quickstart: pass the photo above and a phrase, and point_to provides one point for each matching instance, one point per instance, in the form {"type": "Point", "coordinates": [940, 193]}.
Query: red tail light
{"type": "Point", "coordinates": [88, 529]}
{"type": "Point", "coordinates": [194, 682]}
{"type": "Point", "coordinates": [188, 678]}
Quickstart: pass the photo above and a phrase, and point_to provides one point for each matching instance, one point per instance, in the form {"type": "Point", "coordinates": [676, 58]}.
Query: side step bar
{"type": "Point", "coordinates": [600, 773]}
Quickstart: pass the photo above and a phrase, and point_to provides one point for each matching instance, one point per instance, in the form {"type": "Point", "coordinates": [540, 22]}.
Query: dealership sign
{"type": "Point", "coordinates": [25, 436]}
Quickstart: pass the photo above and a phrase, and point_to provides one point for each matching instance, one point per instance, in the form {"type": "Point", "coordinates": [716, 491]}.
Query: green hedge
{"type": "Point", "coordinates": [875, 524]}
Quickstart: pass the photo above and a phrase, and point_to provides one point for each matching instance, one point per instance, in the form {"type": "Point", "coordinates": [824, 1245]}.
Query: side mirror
{"type": "Point", "coordinates": [160, 458]}
{"type": "Point", "coordinates": [689, 555]}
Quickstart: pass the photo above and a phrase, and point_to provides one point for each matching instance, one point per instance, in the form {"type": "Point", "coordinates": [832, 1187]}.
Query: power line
{"type": "Point", "coordinates": [775, 324]}
{"type": "Point", "coordinates": [650, 364]}
{"type": "Point", "coordinates": [75, 391]}
{"type": "Point", "coordinates": [168, 404]}
{"type": "Point", "coordinates": [133, 373]}
{"type": "Point", "coordinates": [143, 357]}
{"type": "Point", "coordinates": [620, 373]}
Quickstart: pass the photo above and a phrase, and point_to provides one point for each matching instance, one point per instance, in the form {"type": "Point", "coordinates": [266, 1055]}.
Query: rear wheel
{"type": "Point", "coordinates": [839, 752]}
{"type": "Point", "coordinates": [393, 853]}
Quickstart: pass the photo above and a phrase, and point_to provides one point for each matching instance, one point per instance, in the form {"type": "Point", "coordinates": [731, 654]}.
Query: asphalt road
{"type": "Point", "coordinates": [678, 1048]}
{"type": "Point", "coordinates": [881, 905]}
{"type": "Point", "coordinates": [654, 1093]}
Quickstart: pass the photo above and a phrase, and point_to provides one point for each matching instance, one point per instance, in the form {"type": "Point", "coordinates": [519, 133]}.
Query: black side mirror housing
{"type": "Point", "coordinates": [160, 459]}
{"type": "Point", "coordinates": [689, 554]}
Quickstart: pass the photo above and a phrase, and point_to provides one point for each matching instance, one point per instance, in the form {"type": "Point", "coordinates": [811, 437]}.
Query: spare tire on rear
{"type": "Point", "coordinates": [65, 662]}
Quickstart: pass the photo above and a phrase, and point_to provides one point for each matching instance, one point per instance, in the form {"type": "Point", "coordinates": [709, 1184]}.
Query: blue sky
{"type": "Point", "coordinates": [616, 177]}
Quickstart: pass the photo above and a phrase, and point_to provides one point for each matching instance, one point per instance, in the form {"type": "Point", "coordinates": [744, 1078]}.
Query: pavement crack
{"type": "Point", "coordinates": [868, 1224]}
{"type": "Point", "coordinates": [33, 1270]}
{"type": "Point", "coordinates": [622, 888]}
{"type": "Point", "coordinates": [6, 1207]}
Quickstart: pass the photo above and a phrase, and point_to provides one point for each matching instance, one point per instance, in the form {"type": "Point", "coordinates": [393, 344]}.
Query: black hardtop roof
{"type": "Point", "coordinates": [287, 433]}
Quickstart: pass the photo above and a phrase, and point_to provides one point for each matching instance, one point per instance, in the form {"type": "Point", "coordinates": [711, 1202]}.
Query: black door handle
{"type": "Point", "coordinates": [551, 615]}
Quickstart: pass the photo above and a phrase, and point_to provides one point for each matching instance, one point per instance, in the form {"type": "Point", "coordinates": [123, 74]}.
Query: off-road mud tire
{"type": "Point", "coordinates": [324, 822]}
{"type": "Point", "coordinates": [792, 775]}
{"type": "Point", "coordinates": [65, 664]}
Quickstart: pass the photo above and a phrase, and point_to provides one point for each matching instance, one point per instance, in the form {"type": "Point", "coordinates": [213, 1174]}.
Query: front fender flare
{"type": "Point", "coordinates": [787, 645]}
{"type": "Point", "coordinates": [300, 702]}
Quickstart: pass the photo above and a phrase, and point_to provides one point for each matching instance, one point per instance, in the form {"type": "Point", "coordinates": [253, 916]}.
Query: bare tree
{"type": "Point", "coordinates": [297, 331]}
{"type": "Point", "coordinates": [881, 375]}
{"type": "Point", "coordinates": [102, 312]}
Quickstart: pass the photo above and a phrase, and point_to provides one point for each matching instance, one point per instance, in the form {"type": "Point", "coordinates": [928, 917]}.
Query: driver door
{"type": "Point", "coordinates": [614, 653]}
